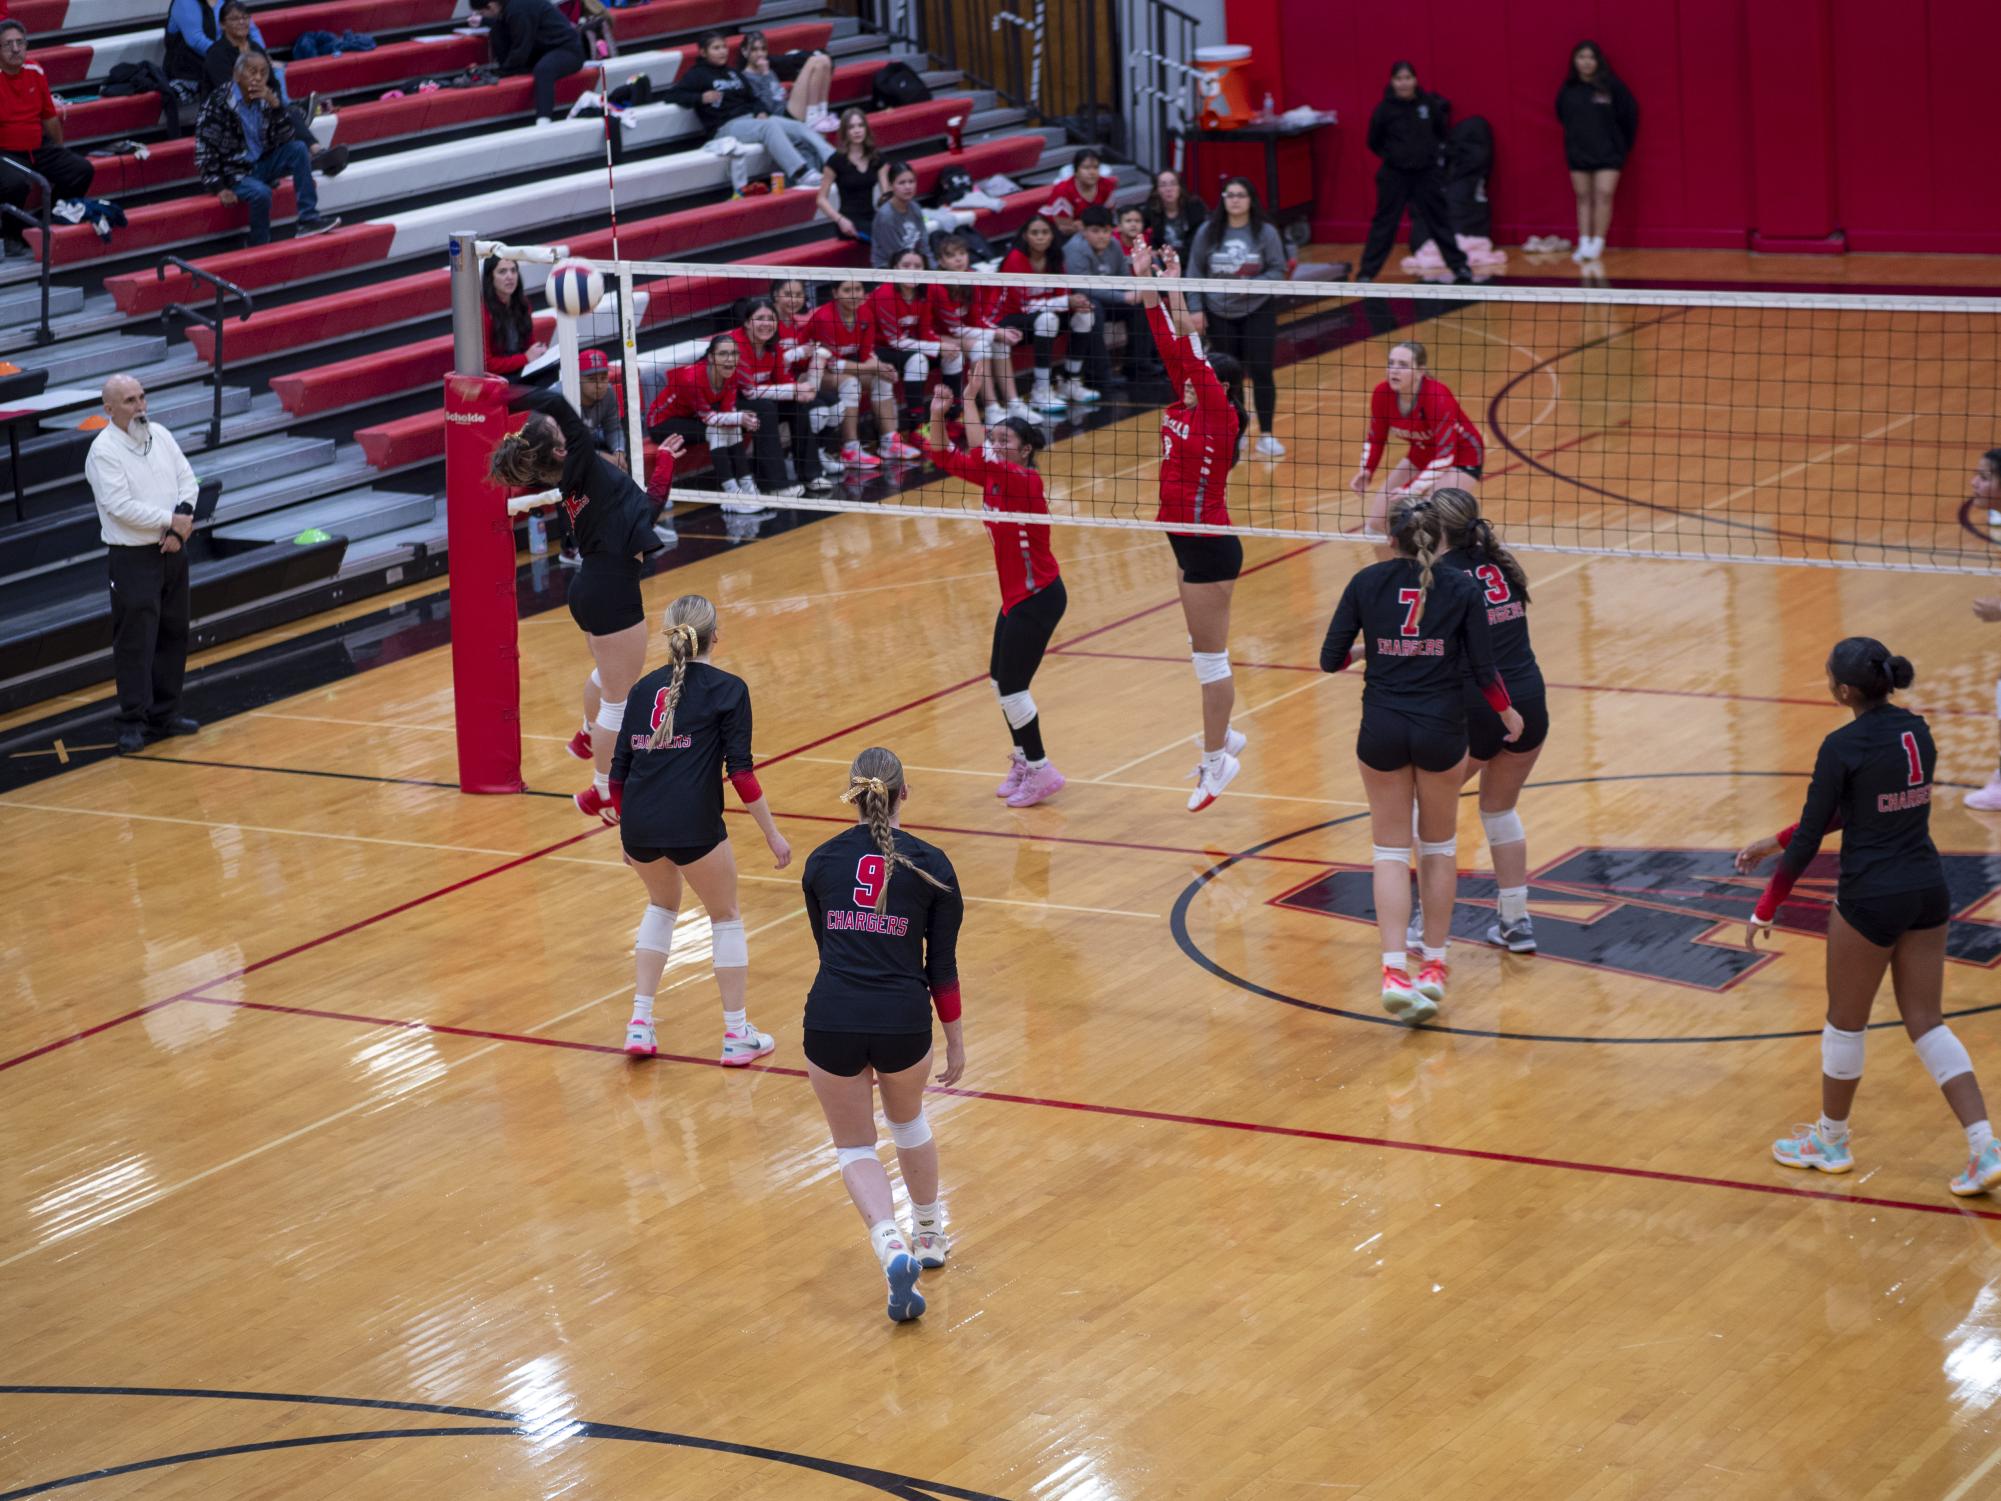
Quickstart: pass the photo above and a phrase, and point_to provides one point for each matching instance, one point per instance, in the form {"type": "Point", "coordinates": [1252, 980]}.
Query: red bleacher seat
{"type": "Point", "coordinates": [62, 65]}
{"type": "Point", "coordinates": [270, 265]}
{"type": "Point", "coordinates": [286, 25]}
{"type": "Point", "coordinates": [363, 378]}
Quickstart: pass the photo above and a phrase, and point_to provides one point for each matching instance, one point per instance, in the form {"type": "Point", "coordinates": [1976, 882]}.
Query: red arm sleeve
{"type": "Point", "coordinates": [945, 1000]}
{"type": "Point", "coordinates": [746, 786]}
{"type": "Point", "coordinates": [1776, 891]}
{"type": "Point", "coordinates": [1174, 354]}
{"type": "Point", "coordinates": [970, 467]}
{"type": "Point", "coordinates": [1381, 405]}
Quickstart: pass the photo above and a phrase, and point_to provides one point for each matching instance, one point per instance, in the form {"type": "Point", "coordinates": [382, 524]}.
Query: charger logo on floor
{"type": "Point", "coordinates": [1662, 914]}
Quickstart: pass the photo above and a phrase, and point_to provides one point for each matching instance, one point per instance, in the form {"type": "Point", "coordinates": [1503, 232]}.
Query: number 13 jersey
{"type": "Point", "coordinates": [878, 969]}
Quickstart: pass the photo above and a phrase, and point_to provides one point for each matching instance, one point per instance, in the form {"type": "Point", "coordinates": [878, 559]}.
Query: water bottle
{"type": "Point", "coordinates": [1269, 112]}
{"type": "Point", "coordinates": [538, 534]}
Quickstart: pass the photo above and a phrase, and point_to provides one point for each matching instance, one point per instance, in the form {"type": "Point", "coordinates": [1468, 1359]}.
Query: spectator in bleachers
{"type": "Point", "coordinates": [1093, 251]}
{"type": "Point", "coordinates": [854, 178]}
{"type": "Point", "coordinates": [193, 27]}
{"type": "Point", "coordinates": [145, 494]}
{"type": "Point", "coordinates": [31, 134]}
{"type": "Point", "coordinates": [844, 327]}
{"type": "Point", "coordinates": [508, 320]}
{"type": "Point", "coordinates": [530, 36]}
{"type": "Point", "coordinates": [1087, 184]}
{"type": "Point", "coordinates": [1173, 214]}
{"type": "Point", "coordinates": [809, 74]}
{"type": "Point", "coordinates": [899, 222]}
{"type": "Point", "coordinates": [1040, 314]}
{"type": "Point", "coordinates": [1239, 242]}
{"type": "Point", "coordinates": [728, 108]}
{"type": "Point", "coordinates": [1131, 228]}
{"type": "Point", "coordinates": [245, 142]}
{"type": "Point", "coordinates": [778, 380]}
{"type": "Point", "coordinates": [698, 404]}
{"type": "Point", "coordinates": [597, 404]}
{"type": "Point", "coordinates": [238, 36]}
{"type": "Point", "coordinates": [908, 342]}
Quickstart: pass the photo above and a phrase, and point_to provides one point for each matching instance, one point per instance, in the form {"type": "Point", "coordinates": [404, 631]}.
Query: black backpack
{"type": "Point", "coordinates": [897, 84]}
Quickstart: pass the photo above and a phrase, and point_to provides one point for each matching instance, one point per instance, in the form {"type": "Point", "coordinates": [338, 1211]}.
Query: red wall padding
{"type": "Point", "coordinates": [1764, 126]}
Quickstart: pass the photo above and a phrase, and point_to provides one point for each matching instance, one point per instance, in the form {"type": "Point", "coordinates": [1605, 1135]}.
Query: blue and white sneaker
{"type": "Point", "coordinates": [1517, 937]}
{"type": "Point", "coordinates": [1807, 1148]}
{"type": "Point", "coordinates": [902, 1271]}
{"type": "Point", "coordinates": [1983, 1172]}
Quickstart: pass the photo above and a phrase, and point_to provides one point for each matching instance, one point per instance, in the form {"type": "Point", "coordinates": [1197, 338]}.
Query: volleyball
{"type": "Point", "coordinates": [575, 289]}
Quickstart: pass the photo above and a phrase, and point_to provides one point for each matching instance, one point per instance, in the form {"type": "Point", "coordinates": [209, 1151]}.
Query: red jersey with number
{"type": "Point", "coordinates": [849, 341]}
{"type": "Point", "coordinates": [1022, 555]}
{"type": "Point", "coordinates": [1441, 436]}
{"type": "Point", "coordinates": [1197, 443]}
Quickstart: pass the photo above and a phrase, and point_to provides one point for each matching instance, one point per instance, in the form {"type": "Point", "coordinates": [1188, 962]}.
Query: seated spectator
{"type": "Point", "coordinates": [846, 330]}
{"type": "Point", "coordinates": [969, 315]}
{"type": "Point", "coordinates": [193, 27]}
{"type": "Point", "coordinates": [909, 343]}
{"type": "Point", "coordinates": [1173, 214]}
{"type": "Point", "coordinates": [1093, 251]}
{"type": "Point", "coordinates": [1131, 227]}
{"type": "Point", "coordinates": [1040, 313]}
{"type": "Point", "coordinates": [219, 67]}
{"type": "Point", "coordinates": [529, 36]}
{"type": "Point", "coordinates": [698, 405]}
{"type": "Point", "coordinates": [245, 142]}
{"type": "Point", "coordinates": [810, 74]}
{"type": "Point", "coordinates": [598, 404]}
{"type": "Point", "coordinates": [728, 107]}
{"type": "Point", "coordinates": [778, 380]}
{"type": "Point", "coordinates": [1088, 183]}
{"type": "Point", "coordinates": [507, 319]}
{"type": "Point", "coordinates": [854, 178]}
{"type": "Point", "coordinates": [31, 135]}
{"type": "Point", "coordinates": [899, 223]}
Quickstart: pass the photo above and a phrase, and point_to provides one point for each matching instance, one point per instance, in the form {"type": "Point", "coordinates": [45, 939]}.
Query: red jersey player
{"type": "Point", "coordinates": [1445, 447]}
{"type": "Point", "coordinates": [1002, 464]}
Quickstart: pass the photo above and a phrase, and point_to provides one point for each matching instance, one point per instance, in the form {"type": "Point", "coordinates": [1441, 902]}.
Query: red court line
{"type": "Point", "coordinates": [63, 1042]}
{"type": "Point", "coordinates": [1172, 1117]}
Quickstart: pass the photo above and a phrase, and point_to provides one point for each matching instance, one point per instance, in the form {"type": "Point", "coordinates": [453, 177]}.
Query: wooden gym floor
{"type": "Point", "coordinates": [328, 1179]}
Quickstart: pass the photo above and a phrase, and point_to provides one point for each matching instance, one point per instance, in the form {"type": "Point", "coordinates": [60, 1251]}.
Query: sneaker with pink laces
{"type": "Point", "coordinates": [1037, 783]}
{"type": "Point", "coordinates": [1988, 798]}
{"type": "Point", "coordinates": [1017, 773]}
{"type": "Point", "coordinates": [1403, 1000]}
{"type": "Point", "coordinates": [894, 448]}
{"type": "Point", "coordinates": [854, 456]}
{"type": "Point", "coordinates": [580, 745]}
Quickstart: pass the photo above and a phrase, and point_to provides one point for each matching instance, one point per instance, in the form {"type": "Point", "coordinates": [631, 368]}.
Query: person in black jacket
{"type": "Point", "coordinates": [530, 36]}
{"type": "Point", "coordinates": [728, 108]}
{"type": "Point", "coordinates": [1600, 119]}
{"type": "Point", "coordinates": [1408, 132]}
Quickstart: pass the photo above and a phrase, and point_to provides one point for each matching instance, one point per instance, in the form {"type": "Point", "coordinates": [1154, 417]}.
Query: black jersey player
{"type": "Point", "coordinates": [1873, 781]}
{"type": "Point", "coordinates": [687, 725]}
{"type": "Point", "coordinates": [888, 957]}
{"type": "Point", "coordinates": [1423, 629]}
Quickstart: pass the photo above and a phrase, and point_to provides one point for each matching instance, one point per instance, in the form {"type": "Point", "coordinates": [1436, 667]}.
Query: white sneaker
{"type": "Point", "coordinates": [932, 1247]}
{"type": "Point", "coordinates": [746, 1046]}
{"type": "Point", "coordinates": [1270, 448]}
{"type": "Point", "coordinates": [1583, 251]}
{"type": "Point", "coordinates": [788, 492]}
{"type": "Point", "coordinates": [810, 178]}
{"type": "Point", "coordinates": [639, 1042]}
{"type": "Point", "coordinates": [667, 535]}
{"type": "Point", "coordinates": [1988, 798]}
{"type": "Point", "coordinates": [1075, 389]}
{"type": "Point", "coordinates": [996, 414]}
{"type": "Point", "coordinates": [1019, 408]}
{"type": "Point", "coordinates": [1044, 399]}
{"type": "Point", "coordinates": [1211, 777]}
{"type": "Point", "coordinates": [1234, 741]}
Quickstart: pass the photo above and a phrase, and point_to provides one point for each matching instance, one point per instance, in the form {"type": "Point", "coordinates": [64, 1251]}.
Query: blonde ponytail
{"type": "Point", "coordinates": [691, 626]}
{"type": "Point", "coordinates": [875, 782]}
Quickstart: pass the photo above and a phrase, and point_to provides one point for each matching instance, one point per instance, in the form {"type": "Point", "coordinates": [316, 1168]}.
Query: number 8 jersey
{"type": "Point", "coordinates": [879, 970]}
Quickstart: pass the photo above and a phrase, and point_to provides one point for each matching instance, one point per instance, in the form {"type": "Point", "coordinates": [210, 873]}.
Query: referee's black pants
{"type": "Point", "coordinates": [1397, 187]}
{"type": "Point", "coordinates": [149, 633]}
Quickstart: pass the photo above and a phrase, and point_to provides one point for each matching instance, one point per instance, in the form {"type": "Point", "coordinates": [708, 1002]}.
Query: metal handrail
{"type": "Point", "coordinates": [43, 333]}
{"type": "Point", "coordinates": [224, 290]}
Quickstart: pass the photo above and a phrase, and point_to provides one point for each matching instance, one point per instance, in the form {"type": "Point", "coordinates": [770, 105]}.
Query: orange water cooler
{"type": "Point", "coordinates": [1225, 87]}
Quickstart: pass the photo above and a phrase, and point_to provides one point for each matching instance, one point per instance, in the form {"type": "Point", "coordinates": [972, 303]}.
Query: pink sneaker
{"type": "Point", "coordinates": [580, 745]}
{"type": "Point", "coordinates": [1017, 773]}
{"type": "Point", "coordinates": [1988, 798]}
{"type": "Point", "coordinates": [1036, 785]}
{"type": "Point", "coordinates": [895, 448]}
{"type": "Point", "coordinates": [854, 456]}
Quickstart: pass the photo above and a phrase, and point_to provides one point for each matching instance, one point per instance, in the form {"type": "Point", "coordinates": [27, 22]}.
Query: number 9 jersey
{"type": "Point", "coordinates": [879, 971]}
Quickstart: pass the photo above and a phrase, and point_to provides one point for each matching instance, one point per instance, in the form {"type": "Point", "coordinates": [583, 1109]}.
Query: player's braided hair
{"type": "Point", "coordinates": [691, 626]}
{"type": "Point", "coordinates": [875, 782]}
{"type": "Point", "coordinates": [1418, 534]}
{"type": "Point", "coordinates": [1459, 513]}
{"type": "Point", "coordinates": [529, 456]}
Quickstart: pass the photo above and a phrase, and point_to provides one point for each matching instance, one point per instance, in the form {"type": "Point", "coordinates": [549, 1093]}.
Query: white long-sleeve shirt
{"type": "Point", "coordinates": [137, 481]}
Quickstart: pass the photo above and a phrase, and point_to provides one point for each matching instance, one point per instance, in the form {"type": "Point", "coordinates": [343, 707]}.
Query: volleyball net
{"type": "Point", "coordinates": [1838, 430]}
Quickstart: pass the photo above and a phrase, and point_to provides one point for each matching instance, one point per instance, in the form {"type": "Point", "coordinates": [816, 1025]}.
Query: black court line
{"type": "Point", "coordinates": [1178, 924]}
{"type": "Point", "coordinates": [506, 1425]}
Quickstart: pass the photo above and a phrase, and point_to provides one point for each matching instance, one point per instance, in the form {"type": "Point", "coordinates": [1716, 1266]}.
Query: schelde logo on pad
{"type": "Point", "coordinates": [470, 419]}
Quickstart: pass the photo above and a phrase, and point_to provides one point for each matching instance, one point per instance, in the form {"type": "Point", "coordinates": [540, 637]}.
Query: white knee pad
{"type": "Point", "coordinates": [979, 343]}
{"type": "Point", "coordinates": [596, 681]}
{"type": "Point", "coordinates": [851, 392]}
{"type": "Point", "coordinates": [1942, 1054]}
{"type": "Point", "coordinates": [1083, 323]}
{"type": "Point", "coordinates": [1210, 666]}
{"type": "Point", "coordinates": [1503, 828]}
{"type": "Point", "coordinates": [917, 369]}
{"type": "Point", "coordinates": [1018, 707]}
{"type": "Point", "coordinates": [952, 361]}
{"type": "Point", "coordinates": [1046, 325]}
{"type": "Point", "coordinates": [911, 1133]}
{"type": "Point", "coordinates": [847, 1157]}
{"type": "Point", "coordinates": [820, 418]}
{"type": "Point", "coordinates": [611, 713]}
{"type": "Point", "coordinates": [727, 947]}
{"type": "Point", "coordinates": [885, 389]}
{"type": "Point", "coordinates": [656, 930]}
{"type": "Point", "coordinates": [1445, 847]}
{"type": "Point", "coordinates": [1841, 1052]}
{"type": "Point", "coordinates": [1385, 854]}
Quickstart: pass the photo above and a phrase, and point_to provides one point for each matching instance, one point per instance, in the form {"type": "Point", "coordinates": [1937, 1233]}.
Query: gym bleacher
{"type": "Point", "coordinates": [329, 413]}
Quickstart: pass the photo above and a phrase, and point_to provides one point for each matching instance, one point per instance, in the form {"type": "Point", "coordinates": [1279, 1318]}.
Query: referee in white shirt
{"type": "Point", "coordinates": [145, 495]}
